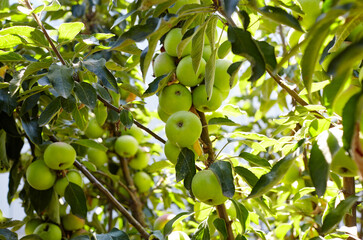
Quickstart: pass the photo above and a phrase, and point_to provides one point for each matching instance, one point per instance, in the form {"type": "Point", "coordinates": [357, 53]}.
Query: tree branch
{"type": "Point", "coordinates": [222, 213]}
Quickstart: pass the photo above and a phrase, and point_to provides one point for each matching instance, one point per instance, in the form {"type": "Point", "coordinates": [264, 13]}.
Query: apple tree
{"type": "Point", "coordinates": [182, 119]}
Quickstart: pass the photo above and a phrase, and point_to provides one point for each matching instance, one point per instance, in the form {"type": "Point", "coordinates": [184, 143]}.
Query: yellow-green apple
{"type": "Point", "coordinates": [161, 221]}
{"type": "Point", "coordinates": [94, 130]}
{"type": "Point", "coordinates": [163, 64]}
{"type": "Point", "coordinates": [224, 49]}
{"type": "Point", "coordinates": [207, 189]}
{"type": "Point", "coordinates": [31, 225]}
{"type": "Point", "coordinates": [40, 176]}
{"type": "Point", "coordinates": [175, 98]}
{"type": "Point", "coordinates": [343, 165]}
{"type": "Point", "coordinates": [207, 51]}
{"type": "Point", "coordinates": [133, 131]}
{"type": "Point", "coordinates": [49, 231]}
{"type": "Point", "coordinates": [221, 76]}
{"type": "Point", "coordinates": [201, 101]}
{"type": "Point", "coordinates": [143, 181]}
{"type": "Point", "coordinates": [171, 151]}
{"type": "Point", "coordinates": [178, 4]}
{"type": "Point", "coordinates": [59, 155]}
{"type": "Point", "coordinates": [71, 222]}
{"type": "Point", "coordinates": [72, 176]}
{"type": "Point", "coordinates": [126, 146]}
{"type": "Point", "coordinates": [185, 72]}
{"type": "Point", "coordinates": [140, 160]}
{"type": "Point", "coordinates": [178, 235]}
{"type": "Point", "coordinates": [172, 40]}
{"type": "Point", "coordinates": [97, 157]}
{"type": "Point", "coordinates": [183, 128]}
{"type": "Point", "coordinates": [162, 115]}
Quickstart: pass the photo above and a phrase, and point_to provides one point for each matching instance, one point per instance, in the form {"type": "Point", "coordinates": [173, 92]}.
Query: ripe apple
{"type": "Point", "coordinates": [97, 157]}
{"type": "Point", "coordinates": [94, 130]}
{"type": "Point", "coordinates": [213, 128]}
{"type": "Point", "coordinates": [207, 189]}
{"type": "Point", "coordinates": [343, 165]}
{"type": "Point", "coordinates": [172, 40]}
{"type": "Point", "coordinates": [133, 131]}
{"type": "Point", "coordinates": [183, 128]}
{"type": "Point", "coordinates": [201, 102]}
{"type": "Point", "coordinates": [175, 98]}
{"type": "Point", "coordinates": [126, 146]}
{"type": "Point", "coordinates": [163, 64]}
{"type": "Point", "coordinates": [178, 235]}
{"type": "Point", "coordinates": [59, 155]}
{"type": "Point", "coordinates": [186, 74]}
{"type": "Point", "coordinates": [174, 9]}
{"type": "Point", "coordinates": [221, 76]}
{"type": "Point", "coordinates": [140, 160]}
{"type": "Point", "coordinates": [40, 176]}
{"type": "Point", "coordinates": [161, 221]}
{"type": "Point", "coordinates": [143, 181]}
{"type": "Point", "coordinates": [71, 222]}
{"type": "Point", "coordinates": [31, 225]}
{"type": "Point", "coordinates": [162, 115]}
{"type": "Point", "coordinates": [72, 176]}
{"type": "Point", "coordinates": [48, 231]}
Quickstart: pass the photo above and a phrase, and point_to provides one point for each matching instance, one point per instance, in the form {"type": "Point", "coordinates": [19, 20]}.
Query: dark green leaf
{"type": "Point", "coordinates": [34, 237]}
{"type": "Point", "coordinates": [222, 121]}
{"type": "Point", "coordinates": [220, 225]}
{"type": "Point", "coordinates": [223, 171]}
{"type": "Point", "coordinates": [98, 67]}
{"type": "Point", "coordinates": [157, 85]}
{"type": "Point", "coordinates": [254, 159]}
{"type": "Point", "coordinates": [350, 117]}
{"type": "Point", "coordinates": [102, 92]}
{"type": "Point", "coordinates": [168, 228]}
{"type": "Point", "coordinates": [9, 223]}
{"type": "Point", "coordinates": [75, 197]}
{"type": "Point", "coordinates": [281, 16]}
{"type": "Point", "coordinates": [32, 129]}
{"type": "Point", "coordinates": [61, 79]}
{"type": "Point", "coordinates": [14, 181]}
{"type": "Point", "coordinates": [247, 175]}
{"type": "Point", "coordinates": [50, 111]}
{"type": "Point", "coordinates": [202, 232]}
{"type": "Point", "coordinates": [126, 118]}
{"type": "Point", "coordinates": [229, 6]}
{"type": "Point", "coordinates": [4, 162]}
{"type": "Point", "coordinates": [319, 170]}
{"type": "Point", "coordinates": [30, 103]}
{"type": "Point", "coordinates": [86, 94]}
{"type": "Point", "coordinates": [68, 104]}
{"type": "Point", "coordinates": [40, 199]}
{"type": "Point", "coordinates": [244, 45]}
{"type": "Point", "coordinates": [242, 214]}
{"type": "Point", "coordinates": [10, 57]}
{"type": "Point", "coordinates": [114, 234]}
{"type": "Point", "coordinates": [122, 18]}
{"type": "Point", "coordinates": [8, 235]}
{"type": "Point", "coordinates": [7, 102]}
{"type": "Point", "coordinates": [185, 167]}
{"type": "Point", "coordinates": [35, 67]}
{"type": "Point", "coordinates": [268, 52]}
{"type": "Point", "coordinates": [233, 70]}
{"type": "Point", "coordinates": [245, 18]}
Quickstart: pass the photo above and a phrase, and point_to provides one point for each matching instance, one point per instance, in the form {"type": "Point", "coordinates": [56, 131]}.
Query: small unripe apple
{"type": "Point", "coordinates": [40, 176]}
{"type": "Point", "coordinates": [201, 102]}
{"type": "Point", "coordinates": [71, 176]}
{"type": "Point", "coordinates": [221, 76]}
{"type": "Point", "coordinates": [172, 40]}
{"type": "Point", "coordinates": [126, 146]}
{"type": "Point", "coordinates": [143, 181]}
{"type": "Point", "coordinates": [185, 72]}
{"type": "Point", "coordinates": [163, 64]}
{"type": "Point", "coordinates": [178, 235]}
{"type": "Point", "coordinates": [175, 98]}
{"type": "Point", "coordinates": [71, 222]}
{"type": "Point", "coordinates": [97, 157]}
{"type": "Point", "coordinates": [161, 221]}
{"type": "Point", "coordinates": [133, 131]}
{"type": "Point", "coordinates": [178, 4]}
{"type": "Point", "coordinates": [140, 160]}
{"type": "Point", "coordinates": [31, 225]}
{"type": "Point", "coordinates": [94, 130]}
{"type": "Point", "coordinates": [224, 49]}
{"type": "Point", "coordinates": [343, 165]}
{"type": "Point", "coordinates": [172, 152]}
{"type": "Point", "coordinates": [207, 51]}
{"type": "Point", "coordinates": [59, 155]}
{"type": "Point", "coordinates": [162, 115]}
{"type": "Point", "coordinates": [183, 128]}
{"type": "Point", "coordinates": [48, 231]}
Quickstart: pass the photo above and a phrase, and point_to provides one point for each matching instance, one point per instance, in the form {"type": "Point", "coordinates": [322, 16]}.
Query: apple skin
{"type": "Point", "coordinates": [171, 152]}
{"type": "Point", "coordinates": [174, 9]}
{"type": "Point", "coordinates": [71, 222]}
{"type": "Point", "coordinates": [162, 115]}
{"type": "Point", "coordinates": [59, 156]}
{"type": "Point", "coordinates": [48, 231]}
{"type": "Point", "coordinates": [172, 40]}
{"type": "Point", "coordinates": [97, 157]}
{"type": "Point", "coordinates": [71, 176]}
{"type": "Point", "coordinates": [140, 160]}
{"type": "Point", "coordinates": [207, 189]}
{"type": "Point", "coordinates": [31, 225]}
{"type": "Point", "coordinates": [224, 49]}
{"type": "Point", "coordinates": [161, 221]}
{"type": "Point", "coordinates": [207, 51]}
{"type": "Point", "coordinates": [40, 176]}
{"type": "Point", "coordinates": [343, 165]}
{"type": "Point", "coordinates": [183, 128]}
{"type": "Point", "coordinates": [163, 64]}
{"type": "Point", "coordinates": [201, 102]}
{"type": "Point", "coordinates": [221, 76]}
{"type": "Point", "coordinates": [175, 98]}
{"type": "Point", "coordinates": [133, 131]}
{"type": "Point", "coordinates": [93, 129]}
{"type": "Point", "coordinates": [186, 74]}
{"type": "Point", "coordinates": [143, 181]}
{"type": "Point", "coordinates": [126, 146]}
{"type": "Point", "coordinates": [178, 235]}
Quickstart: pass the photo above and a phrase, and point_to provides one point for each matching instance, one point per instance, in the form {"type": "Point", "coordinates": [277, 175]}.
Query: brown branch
{"type": "Point", "coordinates": [349, 190]}
{"type": "Point", "coordinates": [208, 147]}
{"type": "Point", "coordinates": [222, 213]}
{"type": "Point", "coordinates": [113, 200]}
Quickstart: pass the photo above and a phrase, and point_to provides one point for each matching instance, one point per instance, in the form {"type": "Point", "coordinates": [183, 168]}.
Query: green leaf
{"type": "Point", "coordinates": [14, 180]}
{"type": "Point", "coordinates": [223, 171]}
{"type": "Point", "coordinates": [91, 144]}
{"type": "Point", "coordinates": [32, 129]}
{"type": "Point", "coordinates": [281, 16]}
{"type": "Point", "coordinates": [244, 45]}
{"type": "Point", "coordinates": [242, 214]}
{"type": "Point", "coordinates": [7, 102]}
{"type": "Point", "coordinates": [33, 237]}
{"type": "Point", "coordinates": [114, 234]}
{"type": "Point", "coordinates": [9, 41]}
{"type": "Point", "coordinates": [75, 197]}
{"type": "Point", "coordinates": [52, 6]}
{"type": "Point", "coordinates": [229, 6]}
{"type": "Point", "coordinates": [197, 47]}
{"type": "Point", "coordinates": [8, 235]}
{"type": "Point", "coordinates": [158, 166]}
{"type": "Point", "coordinates": [69, 104]}
{"type": "Point", "coordinates": [157, 85]}
{"type": "Point", "coordinates": [168, 228]}
{"type": "Point", "coordinates": [53, 208]}
{"type": "Point", "coordinates": [10, 57]}
{"type": "Point", "coordinates": [333, 218]}
{"type": "Point", "coordinates": [80, 118]}
{"type": "Point", "coordinates": [86, 94]}
{"type": "Point", "coordinates": [222, 121]}
{"type": "Point", "coordinates": [126, 118]}
{"type": "Point", "coordinates": [210, 69]}
{"type": "Point", "coordinates": [31, 35]}
{"type": "Point", "coordinates": [122, 18]}
{"type": "Point", "coordinates": [61, 79]}
{"type": "Point", "coordinates": [254, 159]}
{"type": "Point", "coordinates": [268, 52]}
{"type": "Point", "coordinates": [35, 67]}
{"type": "Point", "coordinates": [98, 67]}
{"type": "Point", "coordinates": [220, 225]}
{"type": "Point", "coordinates": [50, 111]}
{"type": "Point", "coordinates": [319, 170]}
{"type": "Point", "coordinates": [211, 31]}
{"type": "Point", "coordinates": [4, 162]}
{"type": "Point", "coordinates": [351, 116]}
{"type": "Point", "coordinates": [68, 31]}
{"type": "Point", "coordinates": [40, 199]}
{"type": "Point", "coordinates": [185, 167]}
{"type": "Point", "coordinates": [317, 126]}
{"type": "Point", "coordinates": [202, 232]}
{"type": "Point", "coordinates": [247, 175]}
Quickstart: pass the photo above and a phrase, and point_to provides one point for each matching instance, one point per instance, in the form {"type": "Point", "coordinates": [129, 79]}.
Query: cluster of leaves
{"type": "Point", "coordinates": [45, 96]}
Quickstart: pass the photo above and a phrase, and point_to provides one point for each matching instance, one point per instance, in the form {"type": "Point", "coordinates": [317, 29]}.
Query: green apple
{"type": "Point", "coordinates": [178, 235]}
{"type": "Point", "coordinates": [221, 76]}
{"type": "Point", "coordinates": [214, 127]}
{"type": "Point", "coordinates": [143, 181]}
{"type": "Point", "coordinates": [178, 4]}
{"type": "Point", "coordinates": [161, 221]}
{"type": "Point", "coordinates": [183, 128]}
{"type": "Point", "coordinates": [163, 64]}
{"type": "Point", "coordinates": [94, 130]}
{"type": "Point", "coordinates": [71, 222]}
{"type": "Point", "coordinates": [31, 225]}
{"type": "Point", "coordinates": [201, 102]}
{"type": "Point", "coordinates": [207, 51]}
{"type": "Point", "coordinates": [40, 176]}
{"type": "Point", "coordinates": [72, 176]}
{"type": "Point", "coordinates": [175, 98]}
{"type": "Point", "coordinates": [48, 231]}
{"type": "Point", "coordinates": [97, 157]}
{"type": "Point", "coordinates": [207, 189]}
{"type": "Point", "coordinates": [162, 115]}
{"type": "Point", "coordinates": [126, 146]}
{"type": "Point", "coordinates": [133, 131]}
{"type": "Point", "coordinates": [59, 155]}
{"type": "Point", "coordinates": [185, 72]}
{"type": "Point", "coordinates": [171, 151]}
{"type": "Point", "coordinates": [224, 49]}
{"type": "Point", "coordinates": [140, 160]}
{"type": "Point", "coordinates": [79, 232]}
{"type": "Point", "coordinates": [172, 40]}
{"type": "Point", "coordinates": [343, 165]}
